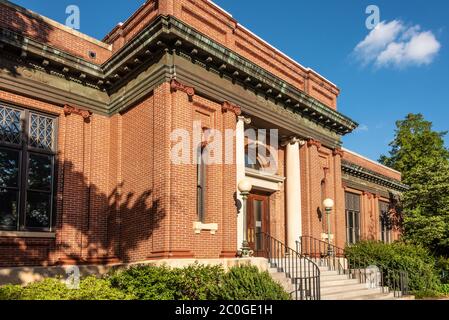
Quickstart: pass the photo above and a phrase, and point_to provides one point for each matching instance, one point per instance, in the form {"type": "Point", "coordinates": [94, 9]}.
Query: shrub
{"type": "Point", "coordinates": [198, 282]}
{"type": "Point", "coordinates": [91, 288]}
{"type": "Point", "coordinates": [146, 282]}
{"type": "Point", "coordinates": [248, 283]}
{"type": "Point", "coordinates": [10, 292]}
{"type": "Point", "coordinates": [415, 260]}
{"type": "Point", "coordinates": [444, 289]}
{"type": "Point", "coordinates": [442, 265]}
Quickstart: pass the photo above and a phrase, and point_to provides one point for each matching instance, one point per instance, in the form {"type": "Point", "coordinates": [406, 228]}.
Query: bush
{"type": "Point", "coordinates": [415, 260]}
{"type": "Point", "coordinates": [198, 282]}
{"type": "Point", "coordinates": [442, 265]}
{"type": "Point", "coordinates": [91, 288]}
{"type": "Point", "coordinates": [247, 283]}
{"type": "Point", "coordinates": [146, 282]}
{"type": "Point", "coordinates": [444, 289]}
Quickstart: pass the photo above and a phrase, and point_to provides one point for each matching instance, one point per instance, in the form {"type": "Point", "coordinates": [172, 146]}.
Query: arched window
{"type": "Point", "coordinates": [261, 157]}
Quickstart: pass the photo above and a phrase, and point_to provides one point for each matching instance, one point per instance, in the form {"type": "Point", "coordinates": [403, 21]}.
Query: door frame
{"type": "Point", "coordinates": [257, 195]}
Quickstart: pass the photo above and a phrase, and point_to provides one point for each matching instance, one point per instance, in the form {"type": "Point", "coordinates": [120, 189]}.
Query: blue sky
{"type": "Point", "coordinates": [408, 73]}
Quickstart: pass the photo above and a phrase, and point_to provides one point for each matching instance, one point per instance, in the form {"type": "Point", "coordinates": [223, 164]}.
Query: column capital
{"type": "Point", "coordinates": [292, 140]}
{"type": "Point", "coordinates": [338, 152]}
{"type": "Point", "coordinates": [244, 119]}
{"type": "Point", "coordinates": [69, 110]}
{"type": "Point", "coordinates": [312, 142]}
{"type": "Point", "coordinates": [175, 85]}
{"type": "Point", "coordinates": [228, 106]}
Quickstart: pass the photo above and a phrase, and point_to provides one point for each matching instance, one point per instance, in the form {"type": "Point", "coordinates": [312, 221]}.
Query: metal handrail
{"type": "Point", "coordinates": [336, 259]}
{"type": "Point", "coordinates": [302, 271]}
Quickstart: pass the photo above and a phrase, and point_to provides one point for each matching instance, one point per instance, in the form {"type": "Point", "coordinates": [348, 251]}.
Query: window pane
{"type": "Point", "coordinates": [10, 125]}
{"type": "Point", "coordinates": [8, 209]}
{"type": "Point", "coordinates": [41, 131]}
{"type": "Point", "coordinates": [9, 168]}
{"type": "Point", "coordinates": [40, 172]}
{"type": "Point", "coordinates": [38, 210]}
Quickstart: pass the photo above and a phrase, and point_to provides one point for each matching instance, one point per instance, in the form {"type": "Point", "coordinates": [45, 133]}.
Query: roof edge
{"type": "Point", "coordinates": [56, 24]}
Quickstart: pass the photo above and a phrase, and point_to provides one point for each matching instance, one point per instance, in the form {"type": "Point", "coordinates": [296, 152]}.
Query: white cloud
{"type": "Point", "coordinates": [394, 44]}
{"type": "Point", "coordinates": [362, 128]}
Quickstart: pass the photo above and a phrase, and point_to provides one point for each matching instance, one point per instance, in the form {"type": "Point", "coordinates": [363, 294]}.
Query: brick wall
{"type": "Point", "coordinates": [49, 32]}
{"type": "Point", "coordinates": [200, 14]}
{"type": "Point", "coordinates": [371, 165]}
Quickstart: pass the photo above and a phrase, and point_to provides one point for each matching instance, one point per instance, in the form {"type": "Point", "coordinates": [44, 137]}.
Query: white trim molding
{"type": "Point", "coordinates": [199, 226]}
{"type": "Point", "coordinates": [20, 234]}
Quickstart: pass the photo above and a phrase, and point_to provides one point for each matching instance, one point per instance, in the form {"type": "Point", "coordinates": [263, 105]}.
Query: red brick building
{"type": "Point", "coordinates": [86, 174]}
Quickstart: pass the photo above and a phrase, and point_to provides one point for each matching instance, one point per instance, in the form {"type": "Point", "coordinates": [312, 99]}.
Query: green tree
{"type": "Point", "coordinates": [419, 153]}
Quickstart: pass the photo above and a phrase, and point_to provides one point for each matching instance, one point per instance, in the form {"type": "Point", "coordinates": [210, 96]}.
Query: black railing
{"type": "Point", "coordinates": [336, 259]}
{"type": "Point", "coordinates": [303, 272]}
{"type": "Point", "coordinates": [327, 254]}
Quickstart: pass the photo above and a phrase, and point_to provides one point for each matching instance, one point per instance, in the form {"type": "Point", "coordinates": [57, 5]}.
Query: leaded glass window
{"type": "Point", "coordinates": [27, 160]}
{"type": "Point", "coordinates": [352, 218]}
{"type": "Point", "coordinates": [385, 222]}
{"type": "Point", "coordinates": [10, 125]}
{"type": "Point", "coordinates": [41, 131]}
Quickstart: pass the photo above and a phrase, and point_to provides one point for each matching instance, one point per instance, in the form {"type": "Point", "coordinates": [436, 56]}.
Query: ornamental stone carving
{"type": "Point", "coordinates": [175, 85]}
{"type": "Point", "coordinates": [69, 110]}
{"type": "Point", "coordinates": [228, 106]}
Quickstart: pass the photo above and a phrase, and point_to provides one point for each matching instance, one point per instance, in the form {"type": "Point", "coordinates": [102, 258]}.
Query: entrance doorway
{"type": "Point", "coordinates": [258, 216]}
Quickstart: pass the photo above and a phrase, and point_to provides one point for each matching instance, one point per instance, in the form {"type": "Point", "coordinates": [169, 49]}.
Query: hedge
{"type": "Point", "coordinates": [146, 282]}
{"type": "Point", "coordinates": [415, 260]}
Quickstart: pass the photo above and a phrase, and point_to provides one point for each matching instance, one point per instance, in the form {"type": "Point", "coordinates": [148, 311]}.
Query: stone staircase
{"type": "Point", "coordinates": [333, 286]}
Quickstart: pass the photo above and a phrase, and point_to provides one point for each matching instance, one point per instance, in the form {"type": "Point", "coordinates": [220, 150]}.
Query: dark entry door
{"type": "Point", "coordinates": [258, 221]}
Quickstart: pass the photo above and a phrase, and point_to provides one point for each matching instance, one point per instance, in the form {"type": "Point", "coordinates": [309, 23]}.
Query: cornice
{"type": "Point", "coordinates": [371, 176]}
{"type": "Point", "coordinates": [170, 34]}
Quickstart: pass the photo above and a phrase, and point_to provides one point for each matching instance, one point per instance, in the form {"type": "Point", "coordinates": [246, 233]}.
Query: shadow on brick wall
{"type": "Point", "coordinates": [15, 26]}
{"type": "Point", "coordinates": [92, 227]}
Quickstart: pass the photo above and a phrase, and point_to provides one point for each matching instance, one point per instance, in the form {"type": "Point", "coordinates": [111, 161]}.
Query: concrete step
{"type": "Point", "coordinates": [342, 288]}
{"type": "Point", "coordinates": [333, 283]}
{"type": "Point", "coordinates": [333, 277]}
{"type": "Point", "coordinates": [361, 294]}
{"type": "Point", "coordinates": [380, 296]}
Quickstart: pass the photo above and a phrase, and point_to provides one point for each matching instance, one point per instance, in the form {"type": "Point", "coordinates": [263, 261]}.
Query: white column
{"type": "Point", "coordinates": [240, 164]}
{"type": "Point", "coordinates": [293, 186]}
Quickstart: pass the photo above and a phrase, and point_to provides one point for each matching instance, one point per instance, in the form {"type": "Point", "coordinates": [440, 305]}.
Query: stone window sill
{"type": "Point", "coordinates": [198, 227]}
{"type": "Point", "coordinates": [19, 234]}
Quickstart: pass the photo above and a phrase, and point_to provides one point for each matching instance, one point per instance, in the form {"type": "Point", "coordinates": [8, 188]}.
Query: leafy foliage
{"type": "Point", "coordinates": [419, 154]}
{"type": "Point", "coordinates": [91, 288]}
{"type": "Point", "coordinates": [146, 282]}
{"type": "Point", "coordinates": [414, 259]}
{"type": "Point", "coordinates": [246, 283]}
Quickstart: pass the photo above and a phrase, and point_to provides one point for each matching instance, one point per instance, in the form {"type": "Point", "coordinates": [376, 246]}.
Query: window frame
{"type": "Point", "coordinates": [355, 216]}
{"type": "Point", "coordinates": [201, 185]}
{"type": "Point", "coordinates": [26, 150]}
{"type": "Point", "coordinates": [386, 234]}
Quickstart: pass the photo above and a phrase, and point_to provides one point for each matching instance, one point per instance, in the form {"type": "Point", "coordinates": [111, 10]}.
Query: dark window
{"type": "Point", "coordinates": [322, 210]}
{"type": "Point", "coordinates": [352, 218]}
{"type": "Point", "coordinates": [385, 223]}
{"type": "Point", "coordinates": [27, 160]}
{"type": "Point", "coordinates": [201, 185]}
